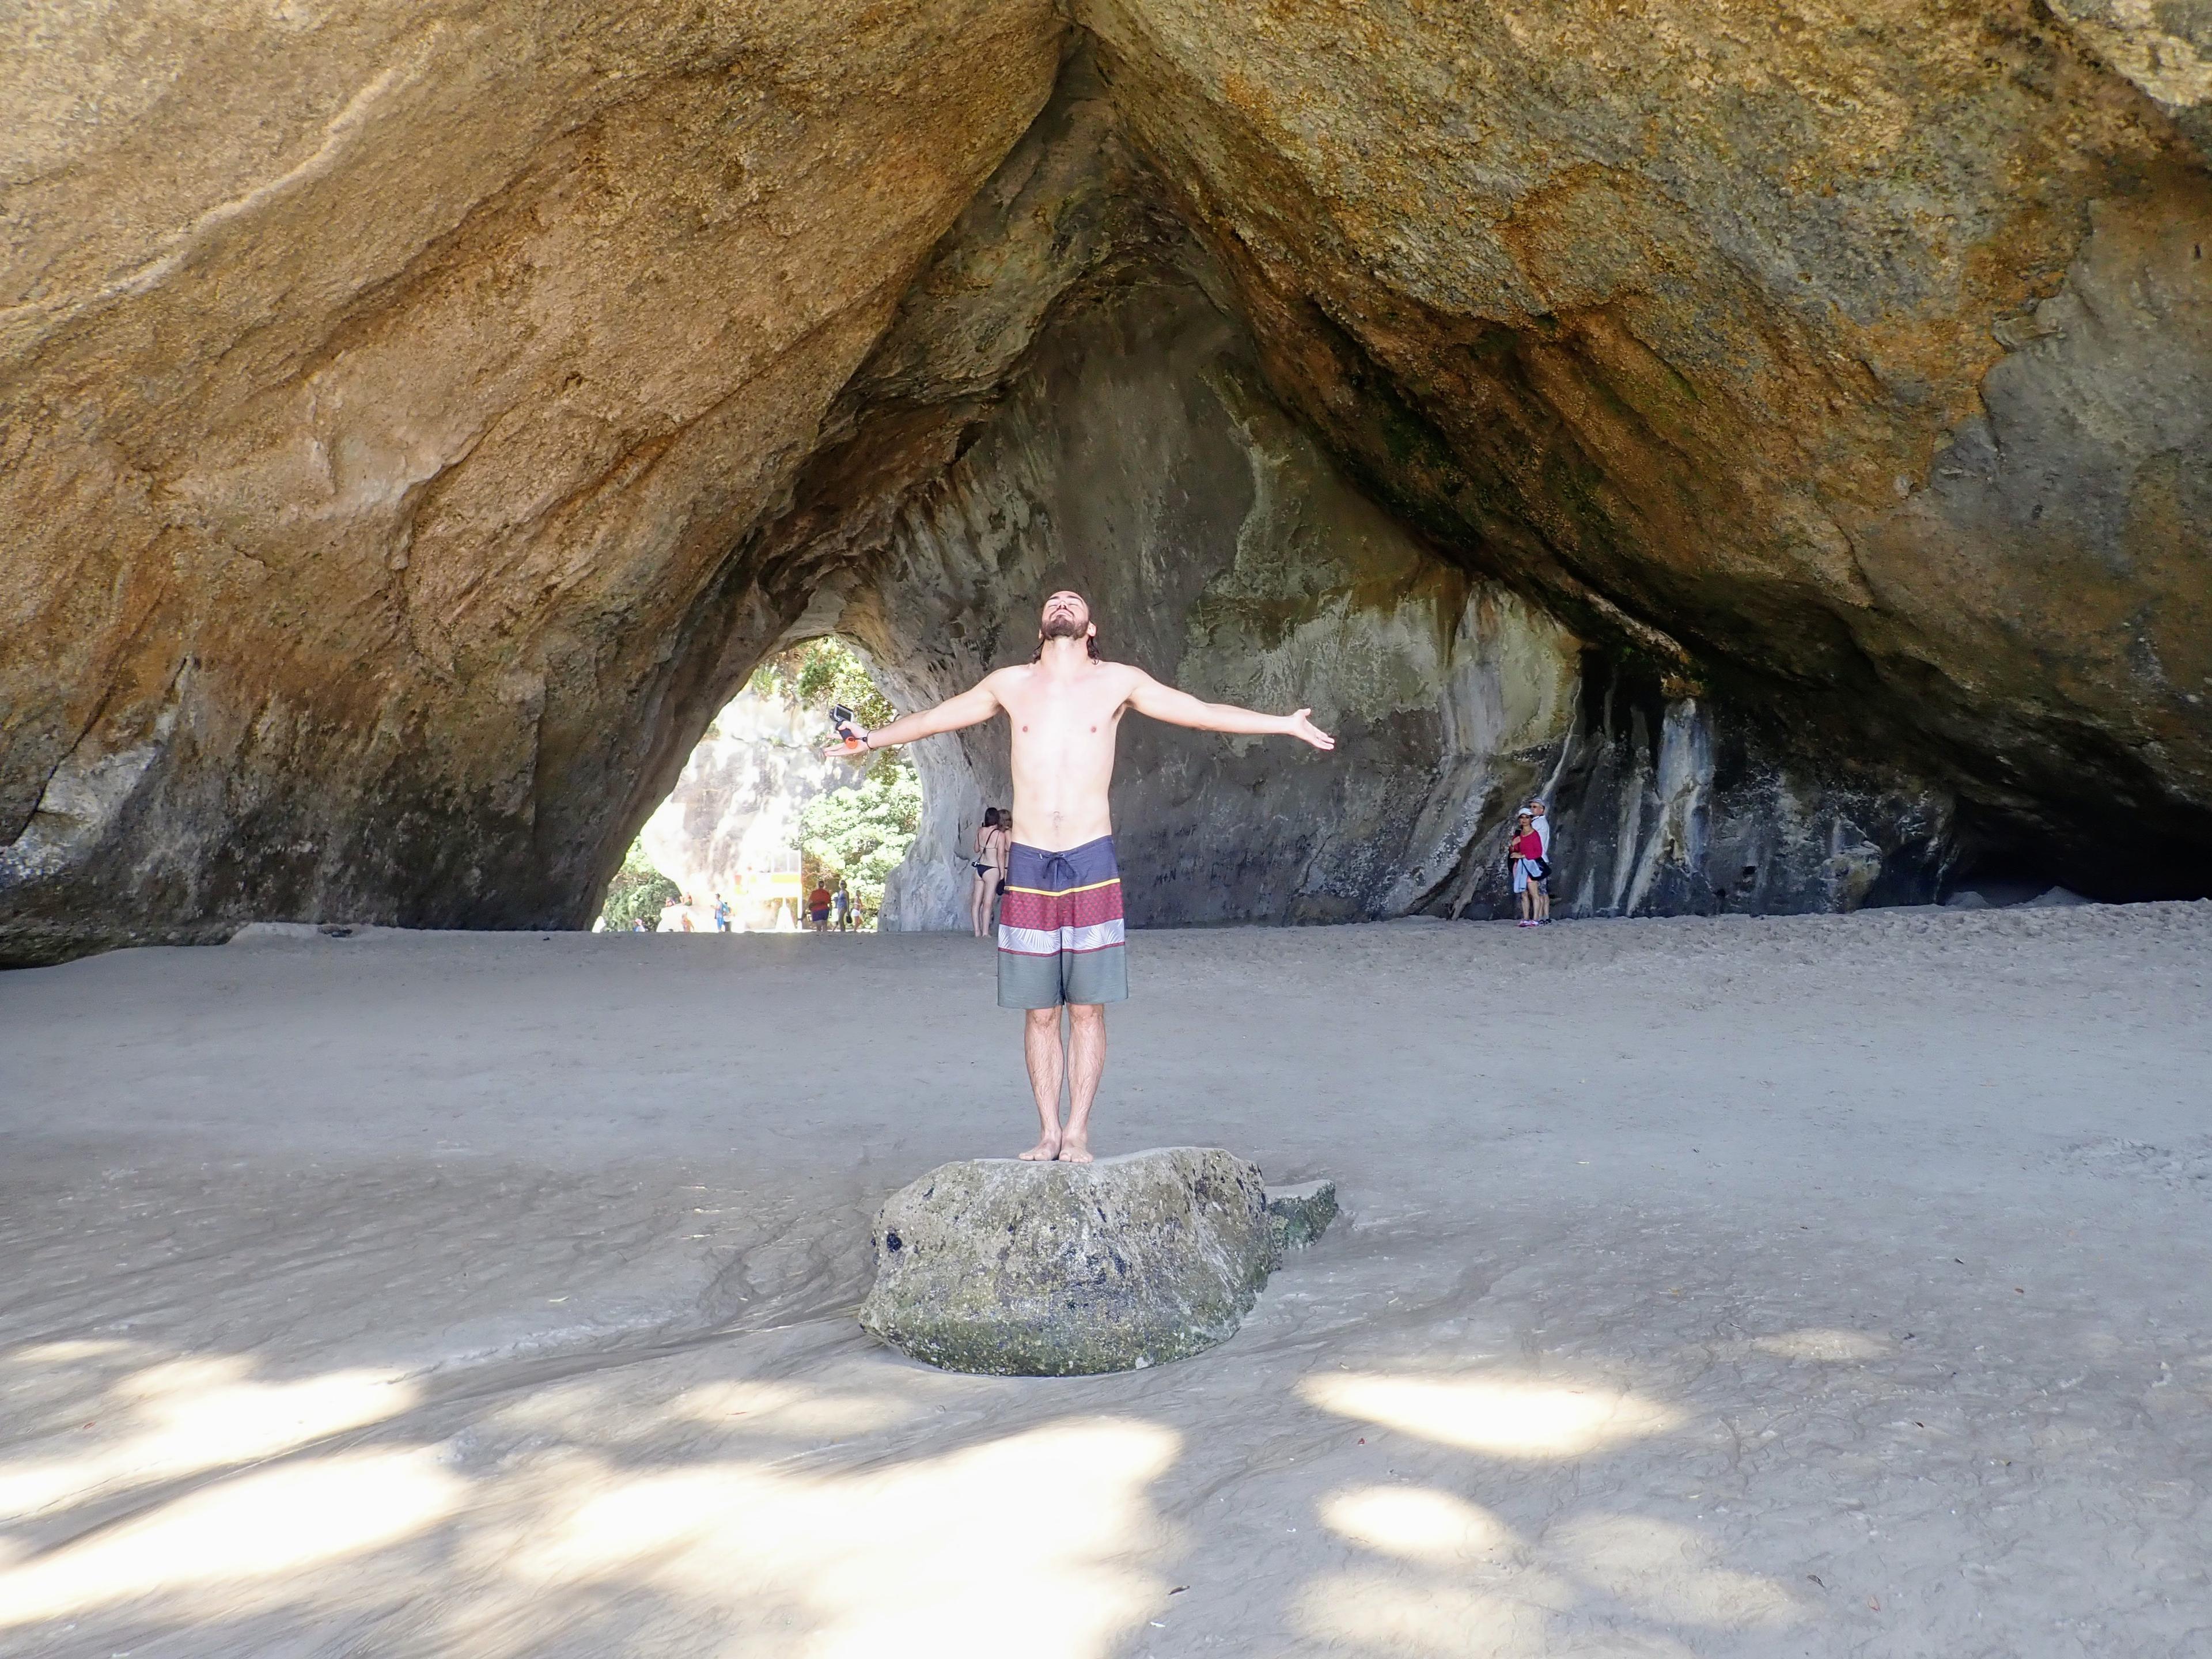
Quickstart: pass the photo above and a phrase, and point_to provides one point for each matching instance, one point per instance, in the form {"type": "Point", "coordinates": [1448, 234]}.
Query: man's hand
{"type": "Point", "coordinates": [1306, 730]}
{"type": "Point", "coordinates": [971, 707]}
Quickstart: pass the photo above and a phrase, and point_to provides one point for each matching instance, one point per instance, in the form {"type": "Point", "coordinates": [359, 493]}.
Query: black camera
{"type": "Point", "coordinates": [840, 721]}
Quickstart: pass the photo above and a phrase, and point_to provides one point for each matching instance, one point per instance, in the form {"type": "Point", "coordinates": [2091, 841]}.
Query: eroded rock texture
{"type": "Point", "coordinates": [1858, 353]}
{"type": "Point", "coordinates": [387, 392]}
{"type": "Point", "coordinates": [1020, 1269]}
{"type": "Point", "coordinates": [1781, 432]}
{"type": "Point", "coordinates": [1137, 457]}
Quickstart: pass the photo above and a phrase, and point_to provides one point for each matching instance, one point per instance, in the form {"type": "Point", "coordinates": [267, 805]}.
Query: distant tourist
{"type": "Point", "coordinates": [990, 866]}
{"type": "Point", "coordinates": [817, 908]}
{"type": "Point", "coordinates": [1529, 869]}
{"type": "Point", "coordinates": [721, 913]}
{"type": "Point", "coordinates": [841, 902]}
{"type": "Point", "coordinates": [1543, 824]}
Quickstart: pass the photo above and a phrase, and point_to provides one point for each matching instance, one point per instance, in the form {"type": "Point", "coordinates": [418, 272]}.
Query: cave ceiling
{"type": "Point", "coordinates": [1781, 430]}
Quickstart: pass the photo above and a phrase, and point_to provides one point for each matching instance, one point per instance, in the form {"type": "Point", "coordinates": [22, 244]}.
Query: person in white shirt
{"type": "Point", "coordinates": [1542, 890]}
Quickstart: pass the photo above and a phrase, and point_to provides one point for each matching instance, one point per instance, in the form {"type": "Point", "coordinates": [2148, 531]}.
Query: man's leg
{"type": "Point", "coordinates": [1041, 1049]}
{"type": "Point", "coordinates": [1086, 1062]}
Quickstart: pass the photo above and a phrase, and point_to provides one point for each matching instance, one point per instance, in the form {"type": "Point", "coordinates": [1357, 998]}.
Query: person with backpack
{"type": "Point", "coordinates": [1543, 826]}
{"type": "Point", "coordinates": [1531, 870]}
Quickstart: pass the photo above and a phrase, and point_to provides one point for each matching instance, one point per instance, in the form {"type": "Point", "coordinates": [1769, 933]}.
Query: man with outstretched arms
{"type": "Point", "coordinates": [1060, 929]}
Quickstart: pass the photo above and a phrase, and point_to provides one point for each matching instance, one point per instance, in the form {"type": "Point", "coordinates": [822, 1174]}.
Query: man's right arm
{"type": "Point", "coordinates": [971, 707]}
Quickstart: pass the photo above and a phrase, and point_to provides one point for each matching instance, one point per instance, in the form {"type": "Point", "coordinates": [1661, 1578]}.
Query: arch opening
{"type": "Point", "coordinates": [761, 830]}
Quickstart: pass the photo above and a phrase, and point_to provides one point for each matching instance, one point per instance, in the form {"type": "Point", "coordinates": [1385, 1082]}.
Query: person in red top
{"type": "Point", "coordinates": [1530, 872]}
{"type": "Point", "coordinates": [817, 908]}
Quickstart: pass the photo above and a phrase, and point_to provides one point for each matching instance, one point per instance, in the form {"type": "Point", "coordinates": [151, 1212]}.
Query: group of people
{"type": "Point", "coordinates": [825, 909]}
{"type": "Point", "coordinates": [1530, 856]}
{"type": "Point", "coordinates": [994, 840]}
{"type": "Point", "coordinates": [683, 905]}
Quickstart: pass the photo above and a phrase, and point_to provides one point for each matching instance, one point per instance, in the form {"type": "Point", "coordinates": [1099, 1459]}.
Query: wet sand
{"type": "Point", "coordinates": [1822, 1285]}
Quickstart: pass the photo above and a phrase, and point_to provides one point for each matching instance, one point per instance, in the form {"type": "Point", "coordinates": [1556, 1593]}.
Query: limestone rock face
{"type": "Point", "coordinates": [385, 393]}
{"type": "Point", "coordinates": [2165, 49]}
{"type": "Point", "coordinates": [1137, 456]}
{"type": "Point", "coordinates": [1847, 363]}
{"type": "Point", "coordinates": [1064, 1269]}
{"type": "Point", "coordinates": [1136, 452]}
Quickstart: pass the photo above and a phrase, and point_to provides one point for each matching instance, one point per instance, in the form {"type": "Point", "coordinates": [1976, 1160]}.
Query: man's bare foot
{"type": "Point", "coordinates": [1075, 1151]}
{"type": "Point", "coordinates": [1044, 1152]}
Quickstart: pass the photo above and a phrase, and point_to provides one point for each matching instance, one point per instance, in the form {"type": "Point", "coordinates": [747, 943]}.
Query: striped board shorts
{"type": "Point", "coordinates": [1060, 928]}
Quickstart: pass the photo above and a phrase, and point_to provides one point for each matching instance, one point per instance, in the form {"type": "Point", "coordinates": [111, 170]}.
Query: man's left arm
{"type": "Point", "coordinates": [1163, 702]}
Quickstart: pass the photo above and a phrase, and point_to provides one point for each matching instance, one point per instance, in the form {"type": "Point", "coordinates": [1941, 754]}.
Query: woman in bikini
{"type": "Point", "coordinates": [989, 864]}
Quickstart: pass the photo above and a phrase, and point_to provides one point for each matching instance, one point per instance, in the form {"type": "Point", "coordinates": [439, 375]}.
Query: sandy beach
{"type": "Point", "coordinates": [1817, 1286]}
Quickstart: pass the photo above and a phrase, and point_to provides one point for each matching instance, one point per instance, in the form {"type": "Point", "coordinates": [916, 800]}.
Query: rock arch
{"type": "Point", "coordinates": [1785, 440]}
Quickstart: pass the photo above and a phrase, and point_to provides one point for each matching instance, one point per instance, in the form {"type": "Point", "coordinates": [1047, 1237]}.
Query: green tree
{"type": "Point", "coordinates": [861, 833]}
{"type": "Point", "coordinates": [637, 890]}
{"type": "Point", "coordinates": [822, 673]}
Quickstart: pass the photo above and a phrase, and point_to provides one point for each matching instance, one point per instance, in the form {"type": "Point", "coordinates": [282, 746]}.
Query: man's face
{"type": "Point", "coordinates": [1066, 617]}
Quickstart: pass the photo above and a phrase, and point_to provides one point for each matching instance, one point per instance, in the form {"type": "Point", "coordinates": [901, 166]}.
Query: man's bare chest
{"type": "Point", "coordinates": [1065, 716]}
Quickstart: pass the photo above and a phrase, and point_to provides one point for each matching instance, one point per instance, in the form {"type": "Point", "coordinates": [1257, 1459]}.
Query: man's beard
{"type": "Point", "coordinates": [1061, 626]}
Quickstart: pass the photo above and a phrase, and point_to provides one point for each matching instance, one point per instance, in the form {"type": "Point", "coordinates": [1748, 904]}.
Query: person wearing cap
{"type": "Point", "coordinates": [1542, 886]}
{"type": "Point", "coordinates": [1526, 853]}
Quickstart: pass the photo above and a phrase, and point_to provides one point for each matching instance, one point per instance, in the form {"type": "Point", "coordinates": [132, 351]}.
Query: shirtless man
{"type": "Point", "coordinates": [1060, 928]}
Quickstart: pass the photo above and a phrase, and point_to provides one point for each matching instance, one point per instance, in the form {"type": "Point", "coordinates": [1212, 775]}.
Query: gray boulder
{"type": "Point", "coordinates": [1018, 1269]}
{"type": "Point", "coordinates": [1298, 1215]}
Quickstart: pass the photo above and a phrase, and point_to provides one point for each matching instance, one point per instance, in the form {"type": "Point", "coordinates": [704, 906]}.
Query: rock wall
{"type": "Point", "coordinates": [1669, 805]}
{"type": "Point", "coordinates": [1134, 450]}
{"type": "Point", "coordinates": [1137, 457]}
{"type": "Point", "coordinates": [416, 421]}
{"type": "Point", "coordinates": [385, 392]}
{"type": "Point", "coordinates": [1849, 358]}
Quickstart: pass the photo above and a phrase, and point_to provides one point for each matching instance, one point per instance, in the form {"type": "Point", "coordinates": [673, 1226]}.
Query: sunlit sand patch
{"type": "Point", "coordinates": [1029, 1548]}
{"type": "Point", "coordinates": [1666, 1572]}
{"type": "Point", "coordinates": [790, 1409]}
{"type": "Point", "coordinates": [1504, 1417]}
{"type": "Point", "coordinates": [259, 1526]}
{"type": "Point", "coordinates": [1383, 1612]}
{"type": "Point", "coordinates": [184, 1417]}
{"type": "Point", "coordinates": [71, 1352]}
{"type": "Point", "coordinates": [1832, 1345]}
{"type": "Point", "coordinates": [794, 1411]}
{"type": "Point", "coordinates": [1417, 1523]}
